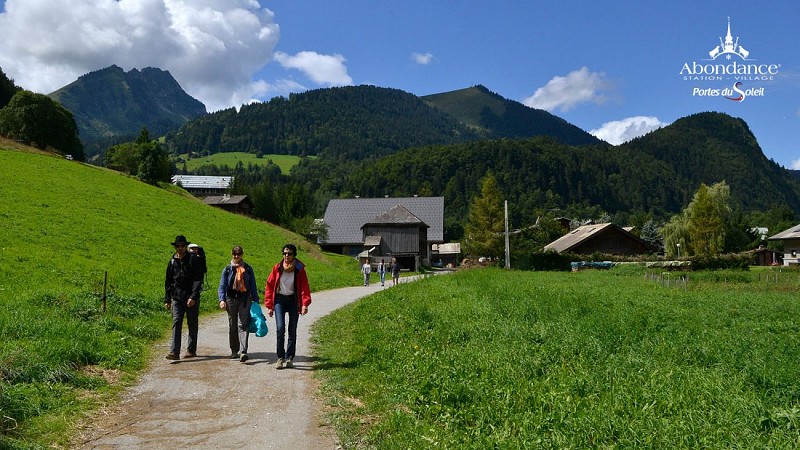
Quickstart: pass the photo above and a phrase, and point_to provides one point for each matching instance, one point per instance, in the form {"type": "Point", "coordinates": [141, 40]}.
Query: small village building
{"type": "Point", "coordinates": [381, 228]}
{"type": "Point", "coordinates": [237, 204]}
{"type": "Point", "coordinates": [767, 257]}
{"type": "Point", "coordinates": [791, 245]}
{"type": "Point", "coordinates": [605, 238]}
{"type": "Point", "coordinates": [200, 185]}
{"type": "Point", "coordinates": [446, 255]}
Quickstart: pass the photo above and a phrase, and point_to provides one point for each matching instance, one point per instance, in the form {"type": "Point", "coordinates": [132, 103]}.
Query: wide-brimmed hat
{"type": "Point", "coordinates": [180, 239]}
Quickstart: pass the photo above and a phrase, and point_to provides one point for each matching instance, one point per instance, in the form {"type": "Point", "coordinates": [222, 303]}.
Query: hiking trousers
{"type": "Point", "coordinates": [238, 323]}
{"type": "Point", "coordinates": [286, 305]}
{"type": "Point", "coordinates": [179, 310]}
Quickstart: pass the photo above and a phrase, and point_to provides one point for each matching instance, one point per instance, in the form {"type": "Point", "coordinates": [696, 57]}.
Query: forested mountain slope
{"type": "Point", "coordinates": [496, 117]}
{"type": "Point", "coordinates": [658, 173]}
{"type": "Point", "coordinates": [111, 105]}
{"type": "Point", "coordinates": [366, 122]}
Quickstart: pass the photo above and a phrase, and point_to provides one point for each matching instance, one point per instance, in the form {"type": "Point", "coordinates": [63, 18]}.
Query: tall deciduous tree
{"type": "Point", "coordinates": [7, 89]}
{"type": "Point", "coordinates": [676, 235]}
{"type": "Point", "coordinates": [700, 229]}
{"type": "Point", "coordinates": [486, 221]}
{"type": "Point", "coordinates": [36, 118]}
{"type": "Point", "coordinates": [707, 216]}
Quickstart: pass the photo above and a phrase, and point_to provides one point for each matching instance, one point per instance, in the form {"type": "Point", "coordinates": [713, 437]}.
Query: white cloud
{"type": "Point", "coordinates": [422, 58]}
{"type": "Point", "coordinates": [795, 164]}
{"type": "Point", "coordinates": [564, 93]}
{"type": "Point", "coordinates": [620, 131]}
{"type": "Point", "coordinates": [211, 47]}
{"type": "Point", "coordinates": [327, 70]}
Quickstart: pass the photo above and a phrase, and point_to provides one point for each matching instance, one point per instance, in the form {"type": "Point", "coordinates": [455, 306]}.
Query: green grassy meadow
{"type": "Point", "coordinates": [231, 159]}
{"type": "Point", "coordinates": [597, 359]}
{"type": "Point", "coordinates": [63, 224]}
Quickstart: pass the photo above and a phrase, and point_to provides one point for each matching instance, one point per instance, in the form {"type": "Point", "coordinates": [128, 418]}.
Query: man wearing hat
{"type": "Point", "coordinates": [182, 287]}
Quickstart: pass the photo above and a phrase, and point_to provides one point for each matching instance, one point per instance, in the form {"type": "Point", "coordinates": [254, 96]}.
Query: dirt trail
{"type": "Point", "coordinates": [214, 402]}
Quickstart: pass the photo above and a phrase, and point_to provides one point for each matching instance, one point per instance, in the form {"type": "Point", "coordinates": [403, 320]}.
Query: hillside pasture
{"type": "Point", "coordinates": [231, 159]}
{"type": "Point", "coordinates": [595, 359]}
{"type": "Point", "coordinates": [63, 226]}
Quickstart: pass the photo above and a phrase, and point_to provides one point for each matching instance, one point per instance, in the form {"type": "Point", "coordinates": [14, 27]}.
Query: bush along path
{"type": "Point", "coordinates": [212, 401]}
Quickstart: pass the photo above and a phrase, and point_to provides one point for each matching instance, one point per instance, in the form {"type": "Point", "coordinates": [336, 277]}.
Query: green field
{"type": "Point", "coordinates": [64, 224]}
{"type": "Point", "coordinates": [542, 360]}
{"type": "Point", "coordinates": [231, 159]}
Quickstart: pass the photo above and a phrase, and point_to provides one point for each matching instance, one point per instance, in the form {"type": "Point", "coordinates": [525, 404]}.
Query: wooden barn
{"type": "Point", "coordinates": [382, 228]}
{"type": "Point", "coordinates": [601, 238]}
{"type": "Point", "coordinates": [238, 204]}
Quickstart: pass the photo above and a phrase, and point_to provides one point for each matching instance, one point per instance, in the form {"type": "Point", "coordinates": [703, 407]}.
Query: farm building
{"type": "Point", "coordinates": [199, 185]}
{"type": "Point", "coordinates": [791, 245]}
{"type": "Point", "coordinates": [382, 228]}
{"type": "Point", "coordinates": [601, 238]}
{"type": "Point", "coordinates": [238, 204]}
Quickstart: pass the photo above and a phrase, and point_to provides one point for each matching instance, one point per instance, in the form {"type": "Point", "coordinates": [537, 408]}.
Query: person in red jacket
{"type": "Point", "coordinates": [287, 292]}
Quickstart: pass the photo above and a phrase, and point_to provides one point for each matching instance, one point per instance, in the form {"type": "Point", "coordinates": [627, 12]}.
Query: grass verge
{"type": "Point", "coordinates": [495, 359]}
{"type": "Point", "coordinates": [63, 225]}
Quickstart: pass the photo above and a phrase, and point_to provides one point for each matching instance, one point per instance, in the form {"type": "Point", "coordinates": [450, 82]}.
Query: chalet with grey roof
{"type": "Point", "coordinates": [382, 228]}
{"type": "Point", "coordinates": [199, 185]}
{"type": "Point", "coordinates": [601, 238]}
{"type": "Point", "coordinates": [791, 245]}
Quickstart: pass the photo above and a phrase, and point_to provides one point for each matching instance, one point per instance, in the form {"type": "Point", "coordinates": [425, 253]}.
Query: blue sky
{"type": "Point", "coordinates": [613, 68]}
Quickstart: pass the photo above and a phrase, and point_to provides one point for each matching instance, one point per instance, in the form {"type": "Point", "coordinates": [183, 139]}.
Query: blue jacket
{"type": "Point", "coordinates": [226, 282]}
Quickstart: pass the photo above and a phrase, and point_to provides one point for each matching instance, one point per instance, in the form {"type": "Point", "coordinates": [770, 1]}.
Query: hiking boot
{"type": "Point", "coordinates": [279, 364]}
{"type": "Point", "coordinates": [243, 357]}
{"type": "Point", "coordinates": [172, 356]}
{"type": "Point", "coordinates": [234, 356]}
{"type": "Point", "coordinates": [190, 355]}
{"type": "Point", "coordinates": [289, 363]}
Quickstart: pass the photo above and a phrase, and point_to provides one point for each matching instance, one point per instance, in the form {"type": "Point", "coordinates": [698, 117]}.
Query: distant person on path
{"type": "Point", "coordinates": [382, 271]}
{"type": "Point", "coordinates": [182, 285]}
{"type": "Point", "coordinates": [395, 269]}
{"type": "Point", "coordinates": [237, 290]}
{"type": "Point", "coordinates": [287, 292]}
{"type": "Point", "coordinates": [365, 270]}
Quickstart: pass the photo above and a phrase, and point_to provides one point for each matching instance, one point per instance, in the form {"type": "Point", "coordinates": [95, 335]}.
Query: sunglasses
{"type": "Point", "coordinates": [237, 254]}
{"type": "Point", "coordinates": [288, 254]}
{"type": "Point", "coordinates": [179, 246]}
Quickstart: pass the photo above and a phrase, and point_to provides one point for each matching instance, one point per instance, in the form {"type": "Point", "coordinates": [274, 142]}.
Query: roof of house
{"type": "Point", "coordinates": [582, 234]}
{"type": "Point", "coordinates": [791, 233]}
{"type": "Point", "coordinates": [224, 199]}
{"type": "Point", "coordinates": [202, 182]}
{"type": "Point", "coordinates": [398, 215]}
{"type": "Point", "coordinates": [345, 217]}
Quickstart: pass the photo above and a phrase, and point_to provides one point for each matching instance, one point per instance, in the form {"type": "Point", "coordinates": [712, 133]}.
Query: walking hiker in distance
{"type": "Point", "coordinates": [182, 286]}
{"type": "Point", "coordinates": [365, 270]}
{"type": "Point", "coordinates": [382, 271]}
{"type": "Point", "coordinates": [237, 290]}
{"type": "Point", "coordinates": [287, 293]}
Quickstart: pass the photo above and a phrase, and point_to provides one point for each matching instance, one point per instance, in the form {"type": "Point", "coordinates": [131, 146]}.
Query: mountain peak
{"type": "Point", "coordinates": [110, 103]}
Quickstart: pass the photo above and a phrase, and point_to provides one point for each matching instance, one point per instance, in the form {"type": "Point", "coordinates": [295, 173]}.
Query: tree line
{"type": "Point", "coordinates": [36, 119]}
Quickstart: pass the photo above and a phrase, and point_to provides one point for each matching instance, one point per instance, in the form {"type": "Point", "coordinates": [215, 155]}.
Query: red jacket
{"type": "Point", "coordinates": [300, 285]}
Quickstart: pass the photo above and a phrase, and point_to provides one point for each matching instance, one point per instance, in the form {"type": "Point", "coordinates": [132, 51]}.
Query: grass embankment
{"type": "Point", "coordinates": [231, 159]}
{"type": "Point", "coordinates": [62, 225]}
{"type": "Point", "coordinates": [494, 359]}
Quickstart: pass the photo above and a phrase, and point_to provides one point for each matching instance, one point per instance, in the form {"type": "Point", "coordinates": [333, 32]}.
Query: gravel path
{"type": "Point", "coordinates": [214, 402]}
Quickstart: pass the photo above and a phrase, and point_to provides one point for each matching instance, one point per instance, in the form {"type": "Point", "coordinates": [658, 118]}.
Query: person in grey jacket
{"type": "Point", "coordinates": [237, 290]}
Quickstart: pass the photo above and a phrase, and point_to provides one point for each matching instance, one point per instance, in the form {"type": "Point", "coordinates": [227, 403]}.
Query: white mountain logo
{"type": "Point", "coordinates": [729, 47]}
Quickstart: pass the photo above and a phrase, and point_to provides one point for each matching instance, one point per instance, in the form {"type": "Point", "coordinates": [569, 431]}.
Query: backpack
{"type": "Point", "coordinates": [200, 259]}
